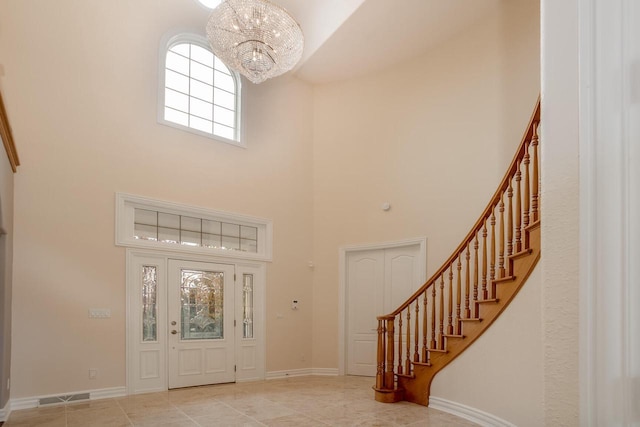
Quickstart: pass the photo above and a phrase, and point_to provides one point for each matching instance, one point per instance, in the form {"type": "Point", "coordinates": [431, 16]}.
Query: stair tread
{"type": "Point", "coordinates": [504, 279]}
{"type": "Point", "coordinates": [471, 319]}
{"type": "Point", "coordinates": [437, 350]}
{"type": "Point", "coordinates": [453, 336]}
{"type": "Point", "coordinates": [422, 363]}
{"type": "Point", "coordinates": [482, 301]}
{"type": "Point", "coordinates": [533, 225]}
{"type": "Point", "coordinates": [405, 375]}
{"type": "Point", "coordinates": [522, 253]}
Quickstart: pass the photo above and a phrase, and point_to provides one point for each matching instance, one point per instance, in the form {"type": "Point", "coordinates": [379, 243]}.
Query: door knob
{"type": "Point", "coordinates": [174, 332]}
{"type": "Point", "coordinates": [173, 323]}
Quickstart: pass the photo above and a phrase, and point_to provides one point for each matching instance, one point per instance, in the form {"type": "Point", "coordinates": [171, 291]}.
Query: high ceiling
{"type": "Point", "coordinates": [346, 38]}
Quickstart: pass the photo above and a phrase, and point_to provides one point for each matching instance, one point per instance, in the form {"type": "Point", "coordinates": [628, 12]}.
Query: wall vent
{"type": "Point", "coordinates": [53, 400]}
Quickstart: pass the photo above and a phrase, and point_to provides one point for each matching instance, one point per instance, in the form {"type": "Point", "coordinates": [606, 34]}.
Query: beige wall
{"type": "Point", "coordinates": [432, 136]}
{"type": "Point", "coordinates": [502, 372]}
{"type": "Point", "coordinates": [6, 263]}
{"type": "Point", "coordinates": [80, 83]}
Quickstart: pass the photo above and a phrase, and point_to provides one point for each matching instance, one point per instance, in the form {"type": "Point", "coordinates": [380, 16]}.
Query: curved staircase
{"type": "Point", "coordinates": [478, 281]}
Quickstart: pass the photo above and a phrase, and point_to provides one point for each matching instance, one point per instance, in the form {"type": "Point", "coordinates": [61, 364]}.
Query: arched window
{"type": "Point", "coordinates": [200, 94]}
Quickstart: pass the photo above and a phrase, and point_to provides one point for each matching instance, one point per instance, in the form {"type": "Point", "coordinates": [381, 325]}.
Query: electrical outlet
{"type": "Point", "coordinates": [93, 373]}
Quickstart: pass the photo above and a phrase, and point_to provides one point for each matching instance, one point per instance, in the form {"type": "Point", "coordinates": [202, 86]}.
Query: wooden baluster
{"type": "Point", "coordinates": [501, 246]}
{"type": "Point", "coordinates": [441, 334]}
{"type": "Point", "coordinates": [400, 360]}
{"type": "Point", "coordinates": [484, 260]}
{"type": "Point", "coordinates": [467, 286]}
{"type": "Point", "coordinates": [492, 265]}
{"type": "Point", "coordinates": [381, 347]}
{"type": "Point", "coordinates": [518, 209]}
{"type": "Point", "coordinates": [534, 192]}
{"type": "Point", "coordinates": [424, 328]}
{"type": "Point", "coordinates": [389, 378]}
{"type": "Point", "coordinates": [433, 316]}
{"type": "Point", "coordinates": [527, 196]}
{"type": "Point", "coordinates": [475, 275]}
{"type": "Point", "coordinates": [510, 220]}
{"type": "Point", "coordinates": [407, 365]}
{"type": "Point", "coordinates": [458, 296]}
{"type": "Point", "coordinates": [450, 299]}
{"type": "Point", "coordinates": [416, 355]}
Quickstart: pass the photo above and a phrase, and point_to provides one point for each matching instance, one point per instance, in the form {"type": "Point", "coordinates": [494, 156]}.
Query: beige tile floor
{"type": "Point", "coordinates": [299, 401]}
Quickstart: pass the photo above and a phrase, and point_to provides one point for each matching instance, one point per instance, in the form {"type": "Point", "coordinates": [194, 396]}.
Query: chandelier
{"type": "Point", "coordinates": [257, 38]}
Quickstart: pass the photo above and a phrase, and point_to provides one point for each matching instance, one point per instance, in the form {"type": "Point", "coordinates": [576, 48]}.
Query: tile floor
{"type": "Point", "coordinates": [299, 401]}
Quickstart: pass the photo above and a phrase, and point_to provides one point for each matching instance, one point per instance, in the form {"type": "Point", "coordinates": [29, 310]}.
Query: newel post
{"type": "Point", "coordinates": [381, 355]}
{"type": "Point", "coordinates": [389, 378]}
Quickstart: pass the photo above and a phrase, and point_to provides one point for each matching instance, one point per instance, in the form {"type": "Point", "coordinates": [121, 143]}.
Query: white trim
{"type": "Point", "coordinates": [107, 393]}
{"type": "Point", "coordinates": [343, 251]}
{"type": "Point", "coordinates": [468, 413]}
{"type": "Point", "coordinates": [260, 280]}
{"type": "Point", "coordinates": [273, 375]}
{"type": "Point", "coordinates": [33, 402]}
{"type": "Point", "coordinates": [305, 372]}
{"type": "Point", "coordinates": [196, 37]}
{"type": "Point", "coordinates": [124, 211]}
{"type": "Point", "coordinates": [325, 372]}
{"type": "Point", "coordinates": [609, 31]}
{"type": "Point", "coordinates": [5, 412]}
{"type": "Point", "coordinates": [588, 240]}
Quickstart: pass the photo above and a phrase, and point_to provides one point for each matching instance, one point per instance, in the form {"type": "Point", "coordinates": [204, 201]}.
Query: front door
{"type": "Point", "coordinates": [201, 323]}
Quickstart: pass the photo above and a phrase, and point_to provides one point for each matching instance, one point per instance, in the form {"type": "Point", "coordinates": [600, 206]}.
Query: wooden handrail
{"type": "Point", "coordinates": [504, 184]}
{"type": "Point", "coordinates": [7, 138]}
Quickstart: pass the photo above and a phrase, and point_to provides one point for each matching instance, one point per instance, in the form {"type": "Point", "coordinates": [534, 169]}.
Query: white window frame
{"type": "Point", "coordinates": [125, 210]}
{"type": "Point", "coordinates": [167, 42]}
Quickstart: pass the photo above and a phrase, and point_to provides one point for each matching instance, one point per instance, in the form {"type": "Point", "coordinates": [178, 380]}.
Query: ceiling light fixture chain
{"type": "Point", "coordinates": [257, 38]}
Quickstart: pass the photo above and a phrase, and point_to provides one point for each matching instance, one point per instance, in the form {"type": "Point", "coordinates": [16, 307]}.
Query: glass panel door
{"type": "Point", "coordinates": [201, 322]}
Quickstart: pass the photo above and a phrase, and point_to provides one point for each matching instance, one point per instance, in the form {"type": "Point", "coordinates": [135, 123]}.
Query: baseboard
{"type": "Point", "coordinates": [327, 372]}
{"type": "Point", "coordinates": [5, 412]}
{"type": "Point", "coordinates": [272, 375]}
{"type": "Point", "coordinates": [32, 402]}
{"type": "Point", "coordinates": [468, 413]}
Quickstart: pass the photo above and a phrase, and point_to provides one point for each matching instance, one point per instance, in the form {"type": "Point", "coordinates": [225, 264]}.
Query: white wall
{"type": "Point", "coordinates": [432, 136]}
{"type": "Point", "coordinates": [80, 80]}
{"type": "Point", "coordinates": [560, 211]}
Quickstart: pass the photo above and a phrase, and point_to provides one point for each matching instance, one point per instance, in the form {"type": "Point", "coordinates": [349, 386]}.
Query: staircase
{"type": "Point", "coordinates": [463, 298]}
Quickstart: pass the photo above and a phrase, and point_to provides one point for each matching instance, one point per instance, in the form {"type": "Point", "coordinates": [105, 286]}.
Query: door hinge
{"type": "Point", "coordinates": [235, 277]}
{"type": "Point", "coordinates": [234, 323]}
{"type": "Point", "coordinates": [235, 368]}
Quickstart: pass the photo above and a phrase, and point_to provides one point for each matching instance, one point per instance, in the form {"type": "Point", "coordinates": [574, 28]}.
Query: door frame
{"type": "Point", "coordinates": [258, 366]}
{"type": "Point", "coordinates": [344, 251]}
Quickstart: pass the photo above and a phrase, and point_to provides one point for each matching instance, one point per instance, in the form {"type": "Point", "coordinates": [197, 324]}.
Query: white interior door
{"type": "Point", "coordinates": [201, 323]}
{"type": "Point", "coordinates": [378, 281]}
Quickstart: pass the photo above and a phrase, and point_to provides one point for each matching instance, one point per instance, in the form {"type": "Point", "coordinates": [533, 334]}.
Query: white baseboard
{"type": "Point", "coordinates": [32, 402]}
{"type": "Point", "coordinates": [272, 375]}
{"type": "Point", "coordinates": [5, 412]}
{"type": "Point", "coordinates": [327, 372]}
{"type": "Point", "coordinates": [467, 412]}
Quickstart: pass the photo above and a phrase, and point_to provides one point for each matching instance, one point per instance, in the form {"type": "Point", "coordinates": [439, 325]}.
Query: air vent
{"type": "Point", "coordinates": [63, 399]}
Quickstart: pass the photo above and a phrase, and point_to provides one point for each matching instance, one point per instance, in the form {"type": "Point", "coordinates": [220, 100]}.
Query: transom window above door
{"type": "Point", "coordinates": [166, 227]}
{"type": "Point", "coordinates": [142, 222]}
{"type": "Point", "coordinates": [198, 92]}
